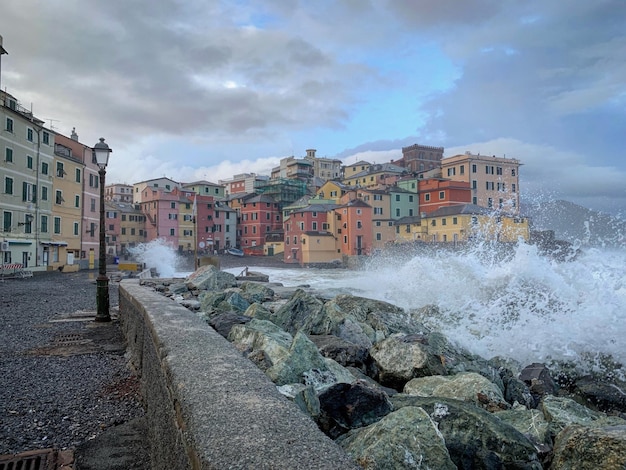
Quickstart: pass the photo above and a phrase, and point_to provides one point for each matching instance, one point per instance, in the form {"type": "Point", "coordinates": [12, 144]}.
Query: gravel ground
{"type": "Point", "coordinates": [52, 395]}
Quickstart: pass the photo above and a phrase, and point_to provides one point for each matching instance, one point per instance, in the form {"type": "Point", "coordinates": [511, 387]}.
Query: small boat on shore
{"type": "Point", "coordinates": [234, 251]}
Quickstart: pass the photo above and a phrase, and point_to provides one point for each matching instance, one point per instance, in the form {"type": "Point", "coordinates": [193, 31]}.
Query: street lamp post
{"type": "Point", "coordinates": [101, 152]}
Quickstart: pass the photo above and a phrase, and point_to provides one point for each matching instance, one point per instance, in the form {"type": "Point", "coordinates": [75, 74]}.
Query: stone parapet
{"type": "Point", "coordinates": [207, 406]}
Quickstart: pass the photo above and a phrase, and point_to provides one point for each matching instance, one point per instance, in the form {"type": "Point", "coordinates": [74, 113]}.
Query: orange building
{"type": "Point", "coordinates": [435, 193]}
{"type": "Point", "coordinates": [352, 225]}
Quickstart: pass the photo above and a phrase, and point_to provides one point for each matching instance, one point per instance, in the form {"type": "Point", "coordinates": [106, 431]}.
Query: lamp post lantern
{"type": "Point", "coordinates": [101, 152]}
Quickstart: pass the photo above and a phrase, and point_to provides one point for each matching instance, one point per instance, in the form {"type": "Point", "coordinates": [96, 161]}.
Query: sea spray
{"type": "Point", "coordinates": [157, 254]}
{"type": "Point", "coordinates": [515, 303]}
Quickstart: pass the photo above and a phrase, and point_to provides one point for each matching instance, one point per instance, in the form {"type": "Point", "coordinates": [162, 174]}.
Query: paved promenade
{"type": "Point", "coordinates": [66, 384]}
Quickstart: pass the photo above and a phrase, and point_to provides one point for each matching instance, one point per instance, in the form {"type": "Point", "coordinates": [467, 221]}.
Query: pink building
{"type": "Point", "coordinates": [161, 209]}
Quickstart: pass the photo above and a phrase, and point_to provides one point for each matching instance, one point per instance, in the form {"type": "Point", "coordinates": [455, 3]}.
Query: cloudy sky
{"type": "Point", "coordinates": [199, 89]}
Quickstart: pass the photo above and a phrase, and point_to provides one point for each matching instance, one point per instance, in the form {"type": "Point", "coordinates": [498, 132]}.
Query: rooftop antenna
{"type": "Point", "coordinates": [52, 127]}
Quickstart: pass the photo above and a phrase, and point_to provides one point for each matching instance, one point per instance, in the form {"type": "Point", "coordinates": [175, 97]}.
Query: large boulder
{"type": "Point", "coordinates": [258, 311]}
{"type": "Point", "coordinates": [301, 312]}
{"type": "Point", "coordinates": [210, 278]}
{"type": "Point", "coordinates": [474, 437]}
{"type": "Point", "coordinates": [382, 317]}
{"type": "Point", "coordinates": [302, 357]}
{"type": "Point", "coordinates": [215, 302]}
{"type": "Point", "coordinates": [224, 322]}
{"type": "Point", "coordinates": [606, 395]}
{"type": "Point", "coordinates": [263, 342]}
{"type": "Point", "coordinates": [344, 352]}
{"type": "Point", "coordinates": [561, 412]}
{"type": "Point", "coordinates": [466, 386]}
{"type": "Point", "coordinates": [256, 292]}
{"type": "Point", "coordinates": [304, 396]}
{"type": "Point", "coordinates": [400, 358]}
{"type": "Point", "coordinates": [590, 448]}
{"type": "Point", "coordinates": [348, 406]}
{"type": "Point", "coordinates": [531, 423]}
{"type": "Point", "coordinates": [407, 438]}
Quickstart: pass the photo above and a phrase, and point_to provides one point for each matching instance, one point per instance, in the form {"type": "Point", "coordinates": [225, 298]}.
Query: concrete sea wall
{"type": "Point", "coordinates": [207, 406]}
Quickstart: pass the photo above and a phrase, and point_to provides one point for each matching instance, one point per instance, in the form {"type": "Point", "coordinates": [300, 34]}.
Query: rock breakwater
{"type": "Point", "coordinates": [397, 394]}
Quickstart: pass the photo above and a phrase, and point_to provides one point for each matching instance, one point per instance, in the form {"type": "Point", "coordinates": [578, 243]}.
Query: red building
{"type": "Point", "coordinates": [260, 215]}
{"type": "Point", "coordinates": [435, 193]}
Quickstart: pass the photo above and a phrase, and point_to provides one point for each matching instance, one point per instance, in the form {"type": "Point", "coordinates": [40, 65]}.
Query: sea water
{"type": "Point", "coordinates": [523, 306]}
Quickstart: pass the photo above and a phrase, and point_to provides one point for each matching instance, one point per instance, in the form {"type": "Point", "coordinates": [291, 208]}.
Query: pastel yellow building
{"type": "Point", "coordinates": [67, 207]}
{"type": "Point", "coordinates": [466, 222]}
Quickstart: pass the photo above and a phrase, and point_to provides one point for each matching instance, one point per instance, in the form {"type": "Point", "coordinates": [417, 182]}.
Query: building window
{"type": "Point", "coordinates": [489, 203]}
{"type": "Point", "coordinates": [29, 191]}
{"type": "Point", "coordinates": [8, 155]}
{"type": "Point", "coordinates": [77, 175]}
{"type": "Point", "coordinates": [7, 221]}
{"type": "Point", "coordinates": [57, 225]}
{"type": "Point", "coordinates": [411, 198]}
{"type": "Point", "coordinates": [172, 232]}
{"type": "Point", "coordinates": [45, 138]}
{"type": "Point", "coordinates": [474, 184]}
{"type": "Point", "coordinates": [379, 236]}
{"type": "Point", "coordinates": [76, 200]}
{"type": "Point", "coordinates": [172, 205]}
{"type": "Point", "coordinates": [444, 222]}
{"type": "Point", "coordinates": [60, 170]}
{"type": "Point", "coordinates": [462, 169]}
{"type": "Point", "coordinates": [29, 162]}
{"type": "Point", "coordinates": [397, 212]}
{"type": "Point", "coordinates": [433, 222]}
{"type": "Point", "coordinates": [58, 199]}
{"type": "Point", "coordinates": [455, 221]}
{"type": "Point", "coordinates": [474, 169]}
{"type": "Point", "coordinates": [29, 135]}
{"type": "Point", "coordinates": [442, 195]}
{"type": "Point", "coordinates": [427, 197]}
{"type": "Point", "coordinates": [44, 224]}
{"type": "Point", "coordinates": [44, 193]}
{"type": "Point", "coordinates": [513, 188]}
{"type": "Point", "coordinates": [44, 168]}
{"type": "Point", "coordinates": [92, 205]}
{"type": "Point", "coordinates": [9, 125]}
{"type": "Point", "coordinates": [451, 171]}
{"type": "Point", "coordinates": [314, 225]}
{"type": "Point", "coordinates": [512, 171]}
{"type": "Point", "coordinates": [499, 170]}
{"type": "Point", "coordinates": [378, 211]}
{"type": "Point", "coordinates": [8, 185]}
{"type": "Point", "coordinates": [474, 200]}
{"type": "Point", "coordinates": [359, 224]}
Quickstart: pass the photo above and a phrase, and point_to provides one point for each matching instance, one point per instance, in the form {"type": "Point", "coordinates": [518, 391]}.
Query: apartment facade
{"type": "Point", "coordinates": [324, 168]}
{"type": "Point", "coordinates": [494, 181]}
{"type": "Point", "coordinates": [66, 244]}
{"type": "Point", "coordinates": [27, 162]}
{"type": "Point", "coordinates": [351, 224]}
{"type": "Point", "coordinates": [260, 215]}
{"type": "Point", "coordinates": [309, 221]}
{"type": "Point", "coordinates": [118, 192]}
{"type": "Point", "coordinates": [435, 193]}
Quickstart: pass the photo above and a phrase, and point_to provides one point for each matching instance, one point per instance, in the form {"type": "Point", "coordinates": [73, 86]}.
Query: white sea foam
{"type": "Point", "coordinates": [523, 306]}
